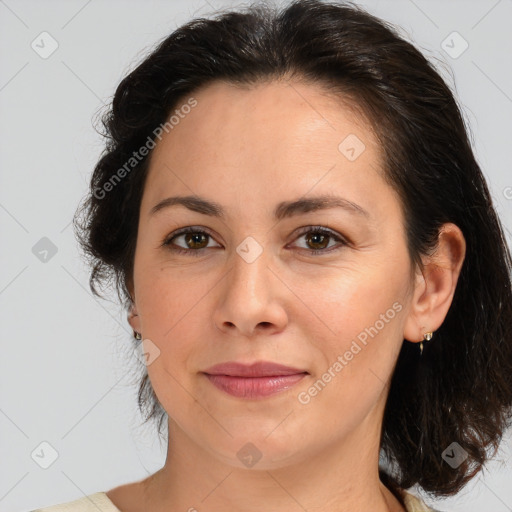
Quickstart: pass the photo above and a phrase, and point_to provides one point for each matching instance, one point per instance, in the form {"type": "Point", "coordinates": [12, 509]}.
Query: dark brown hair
{"type": "Point", "coordinates": [460, 389]}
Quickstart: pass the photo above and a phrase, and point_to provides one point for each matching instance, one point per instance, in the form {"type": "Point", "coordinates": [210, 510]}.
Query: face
{"type": "Point", "coordinates": [323, 290]}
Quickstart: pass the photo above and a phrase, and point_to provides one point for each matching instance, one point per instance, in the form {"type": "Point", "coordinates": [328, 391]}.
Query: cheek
{"type": "Point", "coordinates": [170, 322]}
{"type": "Point", "coordinates": [167, 298]}
{"type": "Point", "coordinates": [344, 303]}
{"type": "Point", "coordinates": [169, 308]}
{"type": "Point", "coordinates": [358, 331]}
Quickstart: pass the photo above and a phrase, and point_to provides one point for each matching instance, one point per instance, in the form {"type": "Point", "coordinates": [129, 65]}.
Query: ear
{"type": "Point", "coordinates": [134, 319]}
{"type": "Point", "coordinates": [133, 316]}
{"type": "Point", "coordinates": [435, 284]}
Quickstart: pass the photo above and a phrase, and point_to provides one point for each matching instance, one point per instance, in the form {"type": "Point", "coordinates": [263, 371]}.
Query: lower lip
{"type": "Point", "coordinates": [254, 387]}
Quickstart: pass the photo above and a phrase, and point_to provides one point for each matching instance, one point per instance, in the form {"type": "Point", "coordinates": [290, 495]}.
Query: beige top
{"type": "Point", "coordinates": [100, 502]}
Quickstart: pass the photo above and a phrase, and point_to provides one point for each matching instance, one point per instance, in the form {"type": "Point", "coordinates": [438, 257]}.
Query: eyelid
{"type": "Point", "coordinates": [323, 229]}
{"type": "Point", "coordinates": [183, 231]}
{"type": "Point", "coordinates": [340, 239]}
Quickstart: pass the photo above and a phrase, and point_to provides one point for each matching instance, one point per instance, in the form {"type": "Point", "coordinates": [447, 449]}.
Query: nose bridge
{"type": "Point", "coordinates": [250, 274]}
{"type": "Point", "coordinates": [249, 295]}
{"type": "Point", "coordinates": [251, 265]}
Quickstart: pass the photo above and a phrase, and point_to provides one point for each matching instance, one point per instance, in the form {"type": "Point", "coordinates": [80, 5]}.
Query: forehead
{"type": "Point", "coordinates": [280, 137]}
{"type": "Point", "coordinates": [259, 111]}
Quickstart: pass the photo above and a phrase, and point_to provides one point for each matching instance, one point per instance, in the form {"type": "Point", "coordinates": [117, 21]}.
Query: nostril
{"type": "Point", "coordinates": [264, 324]}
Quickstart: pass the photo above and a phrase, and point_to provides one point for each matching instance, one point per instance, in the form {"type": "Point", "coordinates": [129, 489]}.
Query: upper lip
{"type": "Point", "coordinates": [257, 369]}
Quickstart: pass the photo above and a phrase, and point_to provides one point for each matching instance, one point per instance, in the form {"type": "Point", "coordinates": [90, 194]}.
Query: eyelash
{"type": "Point", "coordinates": [197, 252]}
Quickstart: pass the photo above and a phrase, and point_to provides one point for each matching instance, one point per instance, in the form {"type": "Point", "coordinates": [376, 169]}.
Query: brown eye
{"type": "Point", "coordinates": [318, 238]}
{"type": "Point", "coordinates": [193, 241]}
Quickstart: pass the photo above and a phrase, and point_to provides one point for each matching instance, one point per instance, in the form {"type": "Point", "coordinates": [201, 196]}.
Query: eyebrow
{"type": "Point", "coordinates": [283, 210]}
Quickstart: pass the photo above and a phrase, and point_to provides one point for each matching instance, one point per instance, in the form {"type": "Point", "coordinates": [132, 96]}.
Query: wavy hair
{"type": "Point", "coordinates": [460, 389]}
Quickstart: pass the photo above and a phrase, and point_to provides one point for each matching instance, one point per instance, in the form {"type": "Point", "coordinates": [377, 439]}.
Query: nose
{"type": "Point", "coordinates": [251, 299]}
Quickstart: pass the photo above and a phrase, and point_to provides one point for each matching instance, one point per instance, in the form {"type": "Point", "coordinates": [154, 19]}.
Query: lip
{"type": "Point", "coordinates": [254, 381]}
{"type": "Point", "coordinates": [257, 369]}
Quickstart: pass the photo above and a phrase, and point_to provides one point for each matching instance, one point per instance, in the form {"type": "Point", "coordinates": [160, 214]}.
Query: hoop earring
{"type": "Point", "coordinates": [427, 337]}
{"type": "Point", "coordinates": [137, 335]}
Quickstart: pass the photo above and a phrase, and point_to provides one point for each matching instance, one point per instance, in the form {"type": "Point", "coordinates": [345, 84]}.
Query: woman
{"type": "Point", "coordinates": [311, 263]}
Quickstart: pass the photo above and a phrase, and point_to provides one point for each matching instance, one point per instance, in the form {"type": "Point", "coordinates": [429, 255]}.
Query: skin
{"type": "Point", "coordinates": [248, 150]}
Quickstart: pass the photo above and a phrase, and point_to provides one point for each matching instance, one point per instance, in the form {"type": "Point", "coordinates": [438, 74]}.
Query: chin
{"type": "Point", "coordinates": [260, 452]}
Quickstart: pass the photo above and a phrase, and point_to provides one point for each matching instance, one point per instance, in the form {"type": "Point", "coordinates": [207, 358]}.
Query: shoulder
{"type": "Point", "coordinates": [414, 504]}
{"type": "Point", "coordinates": [91, 503]}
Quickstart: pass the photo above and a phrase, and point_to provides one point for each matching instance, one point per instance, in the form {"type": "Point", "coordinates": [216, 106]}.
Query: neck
{"type": "Point", "coordinates": [342, 478]}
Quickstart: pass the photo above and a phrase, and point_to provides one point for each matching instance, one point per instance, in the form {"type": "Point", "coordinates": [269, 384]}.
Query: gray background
{"type": "Point", "coordinates": [68, 376]}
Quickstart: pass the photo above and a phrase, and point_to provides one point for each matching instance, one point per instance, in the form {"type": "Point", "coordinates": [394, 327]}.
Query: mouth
{"type": "Point", "coordinates": [255, 381]}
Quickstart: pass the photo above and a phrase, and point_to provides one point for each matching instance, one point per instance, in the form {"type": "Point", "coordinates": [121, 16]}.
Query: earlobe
{"type": "Point", "coordinates": [435, 287]}
{"type": "Point", "coordinates": [133, 319]}
{"type": "Point", "coordinates": [415, 323]}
